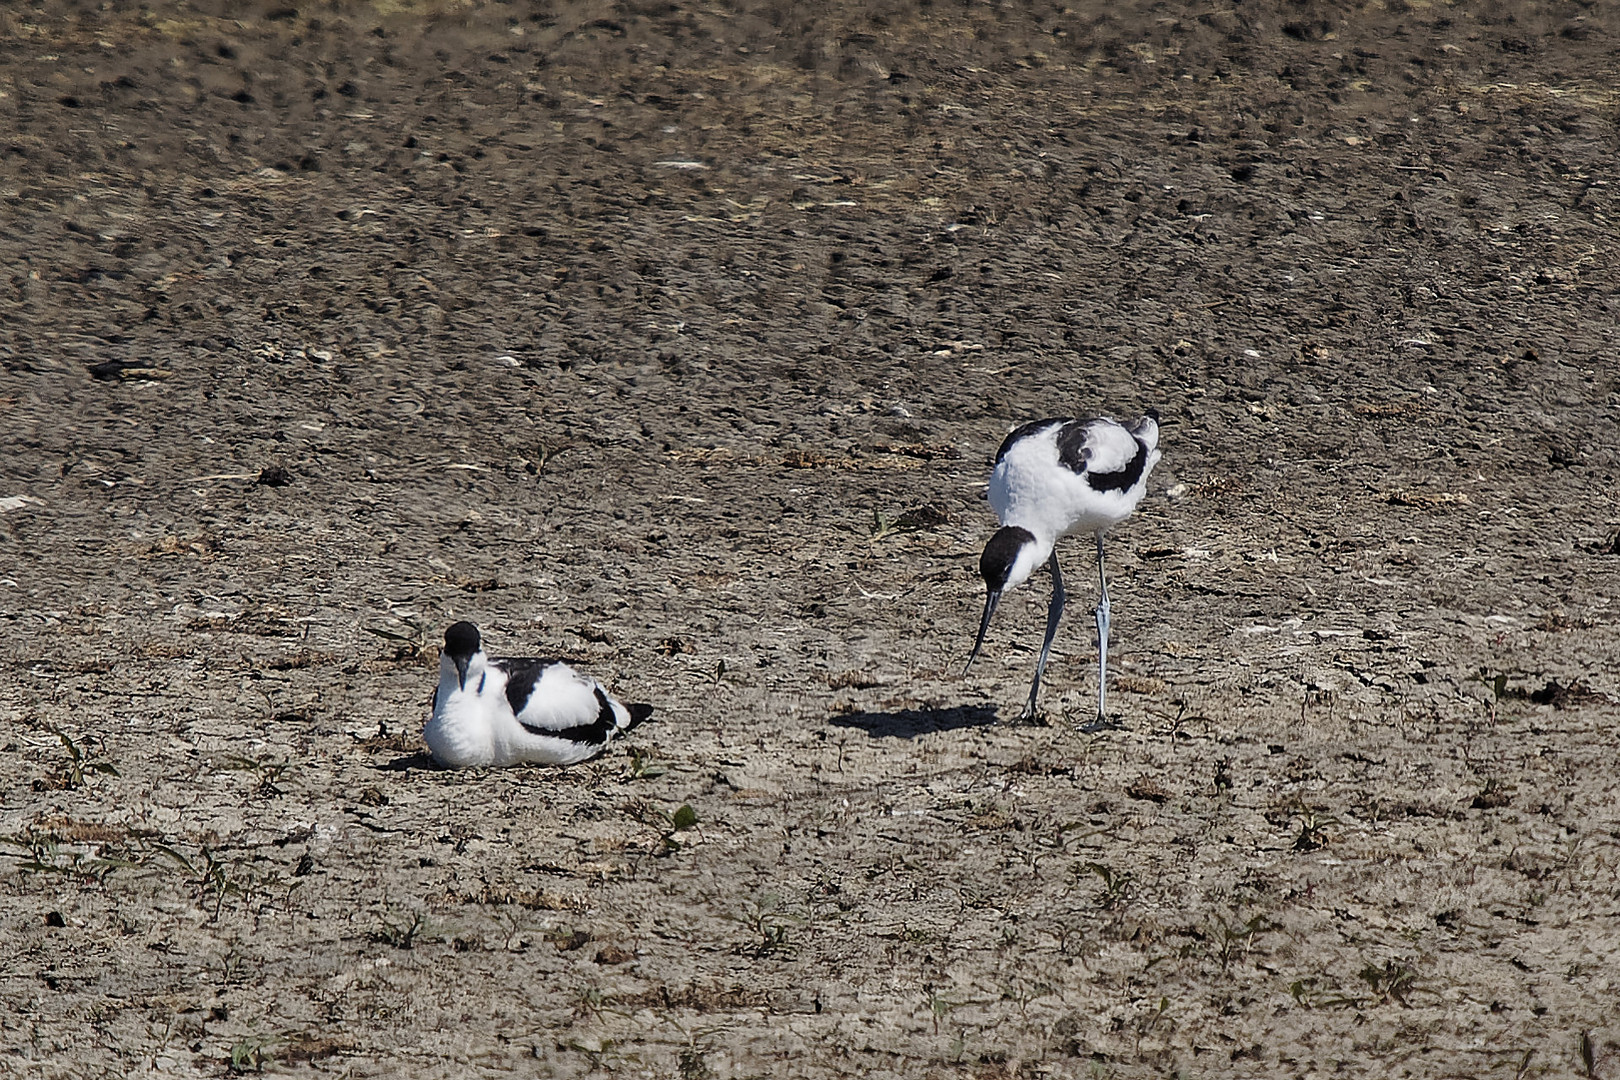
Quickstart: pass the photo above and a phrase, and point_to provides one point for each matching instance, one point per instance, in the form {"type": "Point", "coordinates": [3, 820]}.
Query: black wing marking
{"type": "Point", "coordinates": [1071, 445]}
{"type": "Point", "coordinates": [1121, 479]}
{"type": "Point", "coordinates": [1023, 430]}
{"type": "Point", "coordinates": [1074, 455]}
{"type": "Point", "coordinates": [522, 673]}
{"type": "Point", "coordinates": [594, 733]}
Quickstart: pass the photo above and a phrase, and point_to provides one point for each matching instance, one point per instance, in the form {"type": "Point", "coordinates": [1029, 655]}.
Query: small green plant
{"type": "Point", "coordinates": [667, 823]}
{"type": "Point", "coordinates": [1391, 982]}
{"type": "Point", "coordinates": [1496, 684]}
{"type": "Point", "coordinates": [882, 527]}
{"type": "Point", "coordinates": [42, 852]}
{"type": "Point", "coordinates": [79, 763]}
{"type": "Point", "coordinates": [231, 965]}
{"type": "Point", "coordinates": [602, 1057]}
{"type": "Point", "coordinates": [590, 1001]}
{"type": "Point", "coordinates": [642, 766]}
{"type": "Point", "coordinates": [1116, 885]}
{"type": "Point", "coordinates": [940, 1007]}
{"type": "Point", "coordinates": [764, 916]}
{"type": "Point", "coordinates": [683, 818]}
{"type": "Point", "coordinates": [268, 772]}
{"type": "Point", "coordinates": [1154, 1016]}
{"type": "Point", "coordinates": [916, 935]}
{"type": "Point", "coordinates": [215, 878]}
{"type": "Point", "coordinates": [916, 519]}
{"type": "Point", "coordinates": [1022, 993]}
{"type": "Point", "coordinates": [249, 1055]}
{"type": "Point", "coordinates": [1313, 828]}
{"type": "Point", "coordinates": [1228, 937]}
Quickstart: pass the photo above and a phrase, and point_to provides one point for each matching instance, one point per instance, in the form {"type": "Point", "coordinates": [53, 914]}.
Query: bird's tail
{"type": "Point", "coordinates": [638, 715]}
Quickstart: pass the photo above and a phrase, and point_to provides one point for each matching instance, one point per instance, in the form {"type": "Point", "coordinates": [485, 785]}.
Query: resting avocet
{"type": "Point", "coordinates": [506, 710]}
{"type": "Point", "coordinates": [1054, 477]}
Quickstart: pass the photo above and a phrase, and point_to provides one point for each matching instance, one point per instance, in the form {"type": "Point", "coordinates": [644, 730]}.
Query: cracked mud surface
{"type": "Point", "coordinates": [675, 340]}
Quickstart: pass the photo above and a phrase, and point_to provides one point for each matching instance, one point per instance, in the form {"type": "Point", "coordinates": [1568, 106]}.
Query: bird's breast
{"type": "Point", "coordinates": [460, 733]}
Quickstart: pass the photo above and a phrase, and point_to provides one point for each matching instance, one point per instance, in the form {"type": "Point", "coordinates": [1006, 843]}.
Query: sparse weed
{"type": "Point", "coordinates": [401, 932]}
{"type": "Point", "coordinates": [230, 965]}
{"type": "Point", "coordinates": [1116, 885]}
{"type": "Point", "coordinates": [603, 1056]}
{"type": "Point", "coordinates": [79, 763]}
{"type": "Point", "coordinates": [1313, 828]}
{"type": "Point", "coordinates": [764, 917]}
{"type": "Point", "coordinates": [940, 1007]}
{"type": "Point", "coordinates": [408, 646]}
{"type": "Point", "coordinates": [1023, 993]}
{"type": "Point", "coordinates": [719, 673]}
{"type": "Point", "coordinates": [515, 929]}
{"type": "Point", "coordinates": [1496, 684]}
{"type": "Point", "coordinates": [1153, 1017]}
{"type": "Point", "coordinates": [1228, 937]}
{"type": "Point", "coordinates": [916, 519]}
{"type": "Point", "coordinates": [215, 879]}
{"type": "Point", "coordinates": [590, 1001]}
{"type": "Point", "coordinates": [1311, 994]}
{"type": "Point", "coordinates": [268, 772]}
{"type": "Point", "coordinates": [667, 824]}
{"type": "Point", "coordinates": [249, 1055]}
{"type": "Point", "coordinates": [1391, 982]}
{"type": "Point", "coordinates": [882, 526]}
{"type": "Point", "coordinates": [642, 766]}
{"type": "Point", "coordinates": [43, 852]}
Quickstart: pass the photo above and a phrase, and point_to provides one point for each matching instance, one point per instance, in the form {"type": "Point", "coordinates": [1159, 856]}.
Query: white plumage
{"type": "Point", "coordinates": [1051, 478]}
{"type": "Point", "coordinates": [506, 710]}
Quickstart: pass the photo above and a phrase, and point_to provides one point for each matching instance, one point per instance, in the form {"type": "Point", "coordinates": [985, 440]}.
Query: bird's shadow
{"type": "Point", "coordinates": [410, 762]}
{"type": "Point", "coordinates": [910, 723]}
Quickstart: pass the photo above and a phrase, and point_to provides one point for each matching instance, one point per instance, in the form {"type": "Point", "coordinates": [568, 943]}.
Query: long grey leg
{"type": "Point", "coordinates": [1102, 637]}
{"type": "Point", "coordinates": [1053, 614]}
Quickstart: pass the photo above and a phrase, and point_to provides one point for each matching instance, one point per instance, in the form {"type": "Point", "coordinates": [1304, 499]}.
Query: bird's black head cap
{"type": "Point", "coordinates": [996, 564]}
{"type": "Point", "coordinates": [461, 640]}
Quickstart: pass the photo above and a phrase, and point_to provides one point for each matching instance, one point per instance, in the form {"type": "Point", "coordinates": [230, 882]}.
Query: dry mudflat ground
{"type": "Point", "coordinates": [675, 339]}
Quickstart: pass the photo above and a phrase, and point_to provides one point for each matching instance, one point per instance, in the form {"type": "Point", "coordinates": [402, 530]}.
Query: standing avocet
{"type": "Point", "coordinates": [1054, 477]}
